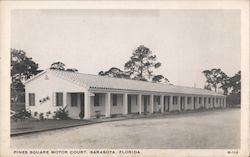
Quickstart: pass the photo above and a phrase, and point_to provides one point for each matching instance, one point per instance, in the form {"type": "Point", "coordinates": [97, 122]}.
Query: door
{"type": "Point", "coordinates": [129, 103]}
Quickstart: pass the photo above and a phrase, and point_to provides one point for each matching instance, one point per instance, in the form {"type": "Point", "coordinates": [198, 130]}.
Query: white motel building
{"type": "Point", "coordinates": [53, 89]}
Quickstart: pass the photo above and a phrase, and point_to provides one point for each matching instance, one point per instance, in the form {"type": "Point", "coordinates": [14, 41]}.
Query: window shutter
{"type": "Point", "coordinates": [53, 99]}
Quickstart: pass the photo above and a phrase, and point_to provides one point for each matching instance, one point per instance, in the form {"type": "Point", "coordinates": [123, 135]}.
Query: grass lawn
{"type": "Point", "coordinates": [217, 129]}
{"type": "Point", "coordinates": [34, 125]}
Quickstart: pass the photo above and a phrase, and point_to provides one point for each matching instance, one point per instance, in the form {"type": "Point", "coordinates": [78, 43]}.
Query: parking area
{"type": "Point", "coordinates": [218, 129]}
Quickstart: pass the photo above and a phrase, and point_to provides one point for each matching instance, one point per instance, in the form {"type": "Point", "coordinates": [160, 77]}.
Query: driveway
{"type": "Point", "coordinates": [219, 129]}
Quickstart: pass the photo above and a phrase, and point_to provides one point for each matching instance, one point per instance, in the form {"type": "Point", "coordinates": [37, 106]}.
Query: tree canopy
{"type": "Point", "coordinates": [217, 79]}
{"type": "Point", "coordinates": [61, 66]}
{"type": "Point", "coordinates": [115, 72]}
{"type": "Point", "coordinates": [22, 68]}
{"type": "Point", "coordinates": [140, 66]}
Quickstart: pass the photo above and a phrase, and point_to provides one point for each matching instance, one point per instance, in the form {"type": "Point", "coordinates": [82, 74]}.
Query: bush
{"type": "Point", "coordinates": [81, 115]}
{"type": "Point", "coordinates": [21, 115]}
{"type": "Point", "coordinates": [98, 114]}
{"type": "Point", "coordinates": [233, 99]}
{"type": "Point", "coordinates": [47, 114]}
{"type": "Point", "coordinates": [41, 117]}
{"type": "Point", "coordinates": [61, 113]}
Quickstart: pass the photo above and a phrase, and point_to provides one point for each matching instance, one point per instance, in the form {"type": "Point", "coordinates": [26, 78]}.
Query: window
{"type": "Point", "coordinates": [59, 99]}
{"type": "Point", "coordinates": [216, 100]}
{"type": "Point", "coordinates": [146, 100]}
{"type": "Point", "coordinates": [158, 100]}
{"type": "Point", "coordinates": [175, 99]}
{"type": "Point", "coordinates": [31, 99]}
{"type": "Point", "coordinates": [200, 100]}
{"type": "Point", "coordinates": [114, 100]}
{"type": "Point", "coordinates": [96, 100]}
{"type": "Point", "coordinates": [74, 99]}
{"type": "Point", "coordinates": [205, 101]}
{"type": "Point", "coordinates": [188, 100]}
{"type": "Point", "coordinates": [209, 100]}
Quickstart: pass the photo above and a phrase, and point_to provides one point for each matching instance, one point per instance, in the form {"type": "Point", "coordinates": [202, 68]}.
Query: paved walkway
{"type": "Point", "coordinates": [218, 129]}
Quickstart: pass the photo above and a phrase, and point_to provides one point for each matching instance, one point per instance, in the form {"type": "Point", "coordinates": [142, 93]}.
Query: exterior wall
{"type": "Point", "coordinates": [134, 104]}
{"type": "Point", "coordinates": [157, 106]}
{"type": "Point", "coordinates": [47, 84]}
{"type": "Point", "coordinates": [166, 103]}
{"type": "Point", "coordinates": [100, 108]}
{"type": "Point", "coordinates": [74, 110]}
{"type": "Point", "coordinates": [119, 108]}
{"type": "Point", "coordinates": [44, 86]}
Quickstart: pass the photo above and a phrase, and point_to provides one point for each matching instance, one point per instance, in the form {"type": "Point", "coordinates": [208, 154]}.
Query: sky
{"type": "Point", "coordinates": [186, 42]}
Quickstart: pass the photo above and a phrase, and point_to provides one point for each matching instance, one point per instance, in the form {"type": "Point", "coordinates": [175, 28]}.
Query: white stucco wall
{"type": "Point", "coordinates": [134, 104]}
{"type": "Point", "coordinates": [100, 108]}
{"type": "Point", "coordinates": [45, 85]}
{"type": "Point", "coordinates": [74, 110]}
{"type": "Point", "coordinates": [119, 108]}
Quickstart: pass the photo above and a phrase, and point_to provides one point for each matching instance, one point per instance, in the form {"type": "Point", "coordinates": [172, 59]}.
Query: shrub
{"type": "Point", "coordinates": [61, 113]}
{"type": "Point", "coordinates": [98, 114]}
{"type": "Point", "coordinates": [81, 114]}
{"type": "Point", "coordinates": [41, 117]}
{"type": "Point", "coordinates": [35, 114]}
{"type": "Point", "coordinates": [21, 115]}
{"type": "Point", "coordinates": [47, 114]}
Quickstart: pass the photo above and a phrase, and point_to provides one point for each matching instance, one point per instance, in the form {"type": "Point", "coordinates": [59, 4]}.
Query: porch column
{"type": "Point", "coordinates": [192, 102]}
{"type": "Point", "coordinates": [107, 104]}
{"type": "Point", "coordinates": [217, 103]}
{"type": "Point", "coordinates": [125, 103]}
{"type": "Point", "coordinates": [207, 105]}
{"type": "Point", "coordinates": [86, 105]}
{"type": "Point", "coordinates": [197, 102]}
{"type": "Point", "coordinates": [170, 103]}
{"type": "Point", "coordinates": [151, 105]}
{"type": "Point", "coordinates": [185, 103]}
{"type": "Point", "coordinates": [214, 102]}
{"type": "Point", "coordinates": [162, 103]}
{"type": "Point", "coordinates": [139, 103]}
{"type": "Point", "coordinates": [202, 101]}
{"type": "Point", "coordinates": [65, 99]}
{"type": "Point", "coordinates": [225, 102]}
{"type": "Point", "coordinates": [179, 102]}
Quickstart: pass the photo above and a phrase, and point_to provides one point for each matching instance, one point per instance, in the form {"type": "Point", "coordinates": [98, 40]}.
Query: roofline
{"type": "Point", "coordinates": [34, 77]}
{"type": "Point", "coordinates": [99, 88]}
{"type": "Point", "coordinates": [47, 70]}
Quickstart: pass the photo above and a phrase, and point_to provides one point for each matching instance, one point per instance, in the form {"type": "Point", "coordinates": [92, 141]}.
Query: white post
{"type": "Point", "coordinates": [107, 104]}
{"type": "Point", "coordinates": [87, 105]}
{"type": "Point", "coordinates": [139, 103]}
{"type": "Point", "coordinates": [192, 102]}
{"type": "Point", "coordinates": [65, 99]}
{"type": "Point", "coordinates": [179, 102]}
{"type": "Point", "coordinates": [206, 102]}
{"type": "Point", "coordinates": [225, 102]}
{"type": "Point", "coordinates": [202, 101]}
{"type": "Point", "coordinates": [197, 102]}
{"type": "Point", "coordinates": [162, 103]}
{"type": "Point", "coordinates": [151, 107]}
{"type": "Point", "coordinates": [185, 103]}
{"type": "Point", "coordinates": [170, 103]}
{"type": "Point", "coordinates": [125, 103]}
